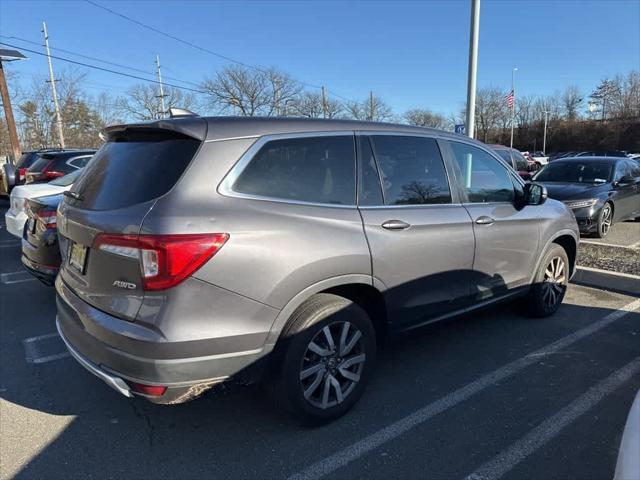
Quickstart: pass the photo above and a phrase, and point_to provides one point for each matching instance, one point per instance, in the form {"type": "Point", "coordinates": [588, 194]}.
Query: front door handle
{"type": "Point", "coordinates": [484, 220]}
{"type": "Point", "coordinates": [395, 225]}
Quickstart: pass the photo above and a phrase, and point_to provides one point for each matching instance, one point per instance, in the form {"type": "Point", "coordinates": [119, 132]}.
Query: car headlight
{"type": "Point", "coordinates": [573, 204]}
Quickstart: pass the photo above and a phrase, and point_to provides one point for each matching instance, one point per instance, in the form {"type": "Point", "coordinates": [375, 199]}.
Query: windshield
{"type": "Point", "coordinates": [576, 172]}
{"type": "Point", "coordinates": [67, 179]}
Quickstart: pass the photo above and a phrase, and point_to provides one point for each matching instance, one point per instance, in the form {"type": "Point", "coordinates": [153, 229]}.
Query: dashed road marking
{"type": "Point", "coordinates": [356, 450]}
{"type": "Point", "coordinates": [506, 460]}
{"type": "Point", "coordinates": [16, 277]}
{"type": "Point", "coordinates": [33, 349]}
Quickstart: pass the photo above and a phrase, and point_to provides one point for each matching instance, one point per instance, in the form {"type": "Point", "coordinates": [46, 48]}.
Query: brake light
{"type": "Point", "coordinates": [22, 172]}
{"type": "Point", "coordinates": [165, 260]}
{"type": "Point", "coordinates": [48, 218]}
{"type": "Point", "coordinates": [50, 175]}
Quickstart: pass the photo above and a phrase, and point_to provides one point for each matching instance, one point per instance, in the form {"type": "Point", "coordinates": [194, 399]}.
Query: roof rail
{"type": "Point", "coordinates": [181, 112]}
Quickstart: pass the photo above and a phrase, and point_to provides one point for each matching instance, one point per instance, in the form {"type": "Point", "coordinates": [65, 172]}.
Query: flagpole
{"type": "Point", "coordinates": [513, 104]}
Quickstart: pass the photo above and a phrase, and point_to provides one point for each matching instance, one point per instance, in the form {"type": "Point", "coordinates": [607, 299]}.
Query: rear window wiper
{"type": "Point", "coordinates": [74, 195]}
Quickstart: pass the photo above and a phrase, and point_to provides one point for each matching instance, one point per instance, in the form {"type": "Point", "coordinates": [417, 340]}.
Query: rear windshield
{"type": "Point", "coordinates": [40, 164]}
{"type": "Point", "coordinates": [133, 169]}
{"type": "Point", "coordinates": [27, 159]}
{"type": "Point", "coordinates": [67, 179]}
{"type": "Point", "coordinates": [576, 172]}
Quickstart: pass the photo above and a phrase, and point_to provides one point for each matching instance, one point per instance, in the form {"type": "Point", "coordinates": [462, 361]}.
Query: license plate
{"type": "Point", "coordinates": [78, 257]}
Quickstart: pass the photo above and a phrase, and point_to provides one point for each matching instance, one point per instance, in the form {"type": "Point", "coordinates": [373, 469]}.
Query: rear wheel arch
{"type": "Point", "coordinates": [360, 289]}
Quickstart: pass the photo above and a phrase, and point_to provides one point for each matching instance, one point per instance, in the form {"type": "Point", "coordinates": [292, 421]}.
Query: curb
{"type": "Point", "coordinates": [607, 280]}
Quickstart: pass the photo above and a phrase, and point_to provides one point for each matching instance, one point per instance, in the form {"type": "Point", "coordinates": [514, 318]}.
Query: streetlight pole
{"type": "Point", "coordinates": [513, 103]}
{"type": "Point", "coordinates": [473, 67]}
{"type": "Point", "coordinates": [544, 138]}
{"type": "Point", "coordinates": [53, 87]}
{"type": "Point", "coordinates": [162, 95]}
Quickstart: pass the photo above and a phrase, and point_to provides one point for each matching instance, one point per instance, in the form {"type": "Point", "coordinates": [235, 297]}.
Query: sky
{"type": "Point", "coordinates": [411, 53]}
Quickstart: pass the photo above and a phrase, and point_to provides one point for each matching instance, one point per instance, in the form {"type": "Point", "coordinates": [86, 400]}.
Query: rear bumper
{"type": "Point", "coordinates": [45, 274]}
{"type": "Point", "coordinates": [15, 222]}
{"type": "Point", "coordinates": [122, 352]}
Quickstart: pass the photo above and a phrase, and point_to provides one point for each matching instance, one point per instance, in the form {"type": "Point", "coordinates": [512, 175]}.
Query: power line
{"type": "Point", "coordinates": [202, 49]}
{"type": "Point", "coordinates": [107, 62]}
{"type": "Point", "coordinates": [108, 70]}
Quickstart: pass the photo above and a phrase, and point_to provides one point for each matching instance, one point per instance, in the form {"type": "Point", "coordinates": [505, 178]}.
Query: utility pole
{"type": "Point", "coordinates": [473, 67]}
{"type": "Point", "coordinates": [371, 106]}
{"type": "Point", "coordinates": [324, 103]}
{"type": "Point", "coordinates": [544, 137]}
{"type": "Point", "coordinates": [8, 114]}
{"type": "Point", "coordinates": [513, 103]}
{"type": "Point", "coordinates": [163, 111]}
{"type": "Point", "coordinates": [53, 87]}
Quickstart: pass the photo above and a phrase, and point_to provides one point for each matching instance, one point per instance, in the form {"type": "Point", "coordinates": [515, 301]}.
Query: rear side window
{"type": "Point", "coordinates": [485, 178]}
{"type": "Point", "coordinates": [308, 169]}
{"type": "Point", "coordinates": [133, 169]}
{"type": "Point", "coordinates": [411, 169]}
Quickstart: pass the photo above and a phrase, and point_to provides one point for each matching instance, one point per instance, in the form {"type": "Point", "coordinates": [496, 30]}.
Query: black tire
{"type": "Point", "coordinates": [547, 291]}
{"type": "Point", "coordinates": [605, 221]}
{"type": "Point", "coordinates": [294, 356]}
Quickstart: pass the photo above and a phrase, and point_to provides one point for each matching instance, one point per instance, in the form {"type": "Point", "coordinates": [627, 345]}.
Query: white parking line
{"type": "Point", "coordinates": [16, 277]}
{"type": "Point", "coordinates": [506, 460]}
{"type": "Point", "coordinates": [9, 243]}
{"type": "Point", "coordinates": [32, 352]}
{"type": "Point", "coordinates": [358, 449]}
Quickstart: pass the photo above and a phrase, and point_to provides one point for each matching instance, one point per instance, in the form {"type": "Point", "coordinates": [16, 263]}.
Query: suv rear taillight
{"type": "Point", "coordinates": [22, 172]}
{"type": "Point", "coordinates": [51, 174]}
{"type": "Point", "coordinates": [165, 260]}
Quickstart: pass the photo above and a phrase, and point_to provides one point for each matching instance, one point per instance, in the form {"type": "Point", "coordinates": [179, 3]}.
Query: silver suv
{"type": "Point", "coordinates": [199, 250]}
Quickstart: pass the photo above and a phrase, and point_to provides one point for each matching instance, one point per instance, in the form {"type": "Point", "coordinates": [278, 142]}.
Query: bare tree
{"type": "Point", "coordinates": [142, 102]}
{"type": "Point", "coordinates": [372, 109]}
{"type": "Point", "coordinates": [624, 101]}
{"type": "Point", "coordinates": [571, 102]}
{"type": "Point", "coordinates": [603, 94]}
{"type": "Point", "coordinates": [422, 117]}
{"type": "Point", "coordinates": [250, 92]}
{"type": "Point", "coordinates": [491, 111]}
{"type": "Point", "coordinates": [310, 104]}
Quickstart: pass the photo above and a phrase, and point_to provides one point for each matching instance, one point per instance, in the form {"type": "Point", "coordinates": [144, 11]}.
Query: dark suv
{"type": "Point", "coordinates": [198, 250]}
{"type": "Point", "coordinates": [51, 165]}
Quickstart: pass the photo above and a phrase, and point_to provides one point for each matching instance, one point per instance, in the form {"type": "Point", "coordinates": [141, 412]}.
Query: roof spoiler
{"type": "Point", "coordinates": [182, 121]}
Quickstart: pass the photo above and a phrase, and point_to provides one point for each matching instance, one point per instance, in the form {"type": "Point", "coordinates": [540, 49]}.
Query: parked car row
{"type": "Point", "coordinates": [40, 166]}
{"type": "Point", "coordinates": [192, 251]}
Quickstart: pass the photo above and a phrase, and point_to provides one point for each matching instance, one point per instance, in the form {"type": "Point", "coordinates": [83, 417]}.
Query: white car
{"type": "Point", "coordinates": [16, 216]}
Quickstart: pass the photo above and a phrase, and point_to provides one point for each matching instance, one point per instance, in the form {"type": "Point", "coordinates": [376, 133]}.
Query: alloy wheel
{"type": "Point", "coordinates": [554, 281]}
{"type": "Point", "coordinates": [605, 223]}
{"type": "Point", "coordinates": [332, 364]}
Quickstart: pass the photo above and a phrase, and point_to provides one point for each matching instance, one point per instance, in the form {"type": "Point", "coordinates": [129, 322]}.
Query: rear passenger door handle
{"type": "Point", "coordinates": [484, 220]}
{"type": "Point", "coordinates": [395, 225]}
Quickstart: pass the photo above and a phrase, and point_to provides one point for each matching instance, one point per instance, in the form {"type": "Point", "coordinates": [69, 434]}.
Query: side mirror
{"type": "Point", "coordinates": [626, 180]}
{"type": "Point", "coordinates": [535, 194]}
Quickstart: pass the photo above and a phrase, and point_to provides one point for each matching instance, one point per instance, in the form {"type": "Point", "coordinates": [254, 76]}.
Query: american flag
{"type": "Point", "coordinates": [510, 99]}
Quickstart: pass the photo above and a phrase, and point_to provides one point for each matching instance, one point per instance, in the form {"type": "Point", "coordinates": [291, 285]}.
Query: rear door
{"type": "Point", "coordinates": [112, 196]}
{"type": "Point", "coordinates": [507, 235]}
{"type": "Point", "coordinates": [627, 196]}
{"type": "Point", "coordinates": [420, 236]}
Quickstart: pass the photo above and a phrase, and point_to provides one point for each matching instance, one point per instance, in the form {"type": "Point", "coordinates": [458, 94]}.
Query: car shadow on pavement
{"type": "Point", "coordinates": [235, 431]}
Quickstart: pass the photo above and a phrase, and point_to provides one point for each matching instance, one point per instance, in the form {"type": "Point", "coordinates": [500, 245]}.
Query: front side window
{"type": "Point", "coordinates": [484, 178]}
{"type": "Point", "coordinates": [307, 169]}
{"type": "Point", "coordinates": [411, 169]}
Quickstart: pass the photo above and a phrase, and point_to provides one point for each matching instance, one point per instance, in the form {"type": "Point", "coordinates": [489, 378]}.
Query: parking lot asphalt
{"type": "Point", "coordinates": [491, 395]}
{"type": "Point", "coordinates": [625, 234]}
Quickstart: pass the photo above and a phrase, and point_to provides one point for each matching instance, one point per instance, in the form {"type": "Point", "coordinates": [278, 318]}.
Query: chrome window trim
{"type": "Point", "coordinates": [68, 162]}
{"type": "Point", "coordinates": [245, 137]}
{"type": "Point", "coordinates": [226, 185]}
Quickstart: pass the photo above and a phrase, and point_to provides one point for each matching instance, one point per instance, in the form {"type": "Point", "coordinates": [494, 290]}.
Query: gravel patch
{"type": "Point", "coordinates": [606, 257]}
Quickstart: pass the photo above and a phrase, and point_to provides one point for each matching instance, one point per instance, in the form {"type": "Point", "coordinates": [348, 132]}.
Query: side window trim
{"type": "Point", "coordinates": [360, 166]}
{"type": "Point", "coordinates": [225, 187]}
{"type": "Point", "coordinates": [72, 160]}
